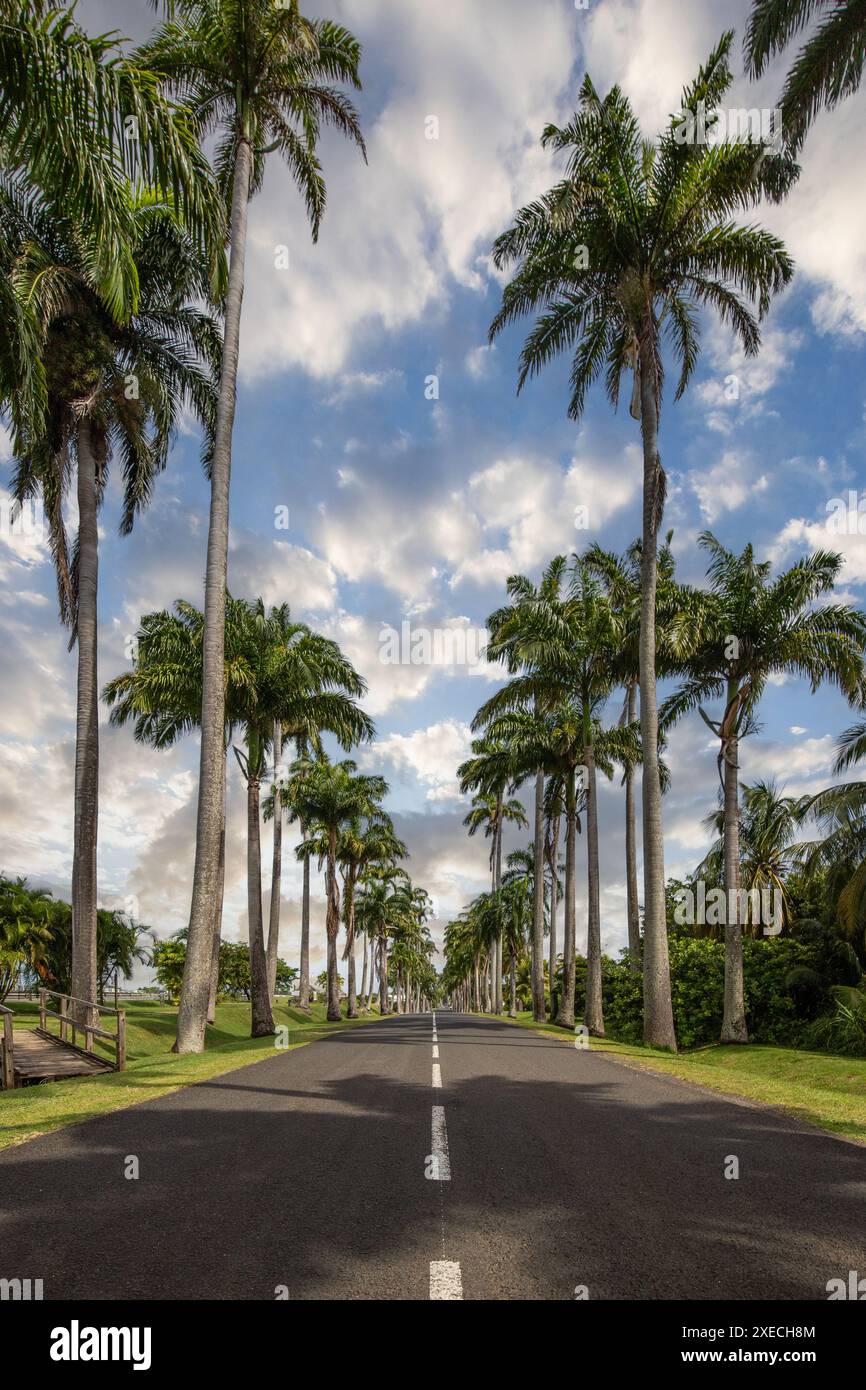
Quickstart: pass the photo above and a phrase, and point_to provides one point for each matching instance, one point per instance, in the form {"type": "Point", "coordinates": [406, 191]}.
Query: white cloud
{"type": "Point", "coordinates": [727, 485]}
{"type": "Point", "coordinates": [420, 217]}
{"type": "Point", "coordinates": [429, 756]}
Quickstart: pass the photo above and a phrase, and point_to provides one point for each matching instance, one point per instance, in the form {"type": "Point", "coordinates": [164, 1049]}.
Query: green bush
{"type": "Point", "coordinates": [698, 991]}
{"type": "Point", "coordinates": [844, 1029]}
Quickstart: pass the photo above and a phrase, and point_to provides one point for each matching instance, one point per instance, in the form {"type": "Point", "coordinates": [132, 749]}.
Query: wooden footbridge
{"type": "Point", "coordinates": [29, 1055]}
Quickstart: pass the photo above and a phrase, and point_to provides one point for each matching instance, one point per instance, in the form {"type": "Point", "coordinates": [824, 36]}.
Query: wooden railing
{"type": "Point", "coordinates": [7, 1074]}
{"type": "Point", "coordinates": [70, 1022]}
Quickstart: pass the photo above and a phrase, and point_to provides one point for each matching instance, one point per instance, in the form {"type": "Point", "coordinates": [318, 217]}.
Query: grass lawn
{"type": "Point", "coordinates": [152, 1069]}
{"type": "Point", "coordinates": [819, 1088]}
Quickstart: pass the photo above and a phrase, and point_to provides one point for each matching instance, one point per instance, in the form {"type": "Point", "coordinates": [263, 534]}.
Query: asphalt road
{"type": "Point", "coordinates": [344, 1171]}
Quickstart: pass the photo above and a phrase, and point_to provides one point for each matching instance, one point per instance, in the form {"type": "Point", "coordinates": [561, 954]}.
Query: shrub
{"type": "Point", "coordinates": [698, 991]}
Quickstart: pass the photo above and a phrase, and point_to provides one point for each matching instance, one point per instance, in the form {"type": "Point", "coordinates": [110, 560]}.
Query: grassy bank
{"type": "Point", "coordinates": [819, 1088]}
{"type": "Point", "coordinates": [152, 1068]}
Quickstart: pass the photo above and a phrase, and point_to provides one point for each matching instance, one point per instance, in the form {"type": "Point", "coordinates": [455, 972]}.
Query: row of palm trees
{"type": "Point", "coordinates": [121, 281]}
{"type": "Point", "coordinates": [286, 687]}
{"type": "Point", "coordinates": [618, 260]}
{"type": "Point", "coordinates": [569, 644]}
{"type": "Point", "coordinates": [122, 268]}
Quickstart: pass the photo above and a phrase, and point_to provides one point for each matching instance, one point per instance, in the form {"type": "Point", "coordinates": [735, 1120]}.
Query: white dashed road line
{"type": "Point", "coordinates": [437, 1077]}
{"type": "Point", "coordinates": [439, 1145]}
{"type": "Point", "coordinates": [445, 1279]}
{"type": "Point", "coordinates": [435, 1050]}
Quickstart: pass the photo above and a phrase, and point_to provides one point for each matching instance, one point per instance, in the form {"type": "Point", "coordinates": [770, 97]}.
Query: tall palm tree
{"type": "Point", "coordinates": [633, 242]}
{"type": "Point", "coordinates": [330, 797]}
{"type": "Point", "coordinates": [827, 69]}
{"type": "Point", "coordinates": [111, 387]}
{"type": "Point", "coordinates": [747, 629]}
{"type": "Point", "coordinates": [261, 77]}
{"type": "Point", "coordinates": [378, 907]}
{"type": "Point", "coordinates": [161, 696]}
{"type": "Point", "coordinates": [493, 811]}
{"type": "Point", "coordinates": [518, 640]}
{"type": "Point", "coordinates": [554, 810]}
{"type": "Point", "coordinates": [365, 842]}
{"type": "Point", "coordinates": [301, 684]}
{"type": "Point", "coordinates": [621, 576]}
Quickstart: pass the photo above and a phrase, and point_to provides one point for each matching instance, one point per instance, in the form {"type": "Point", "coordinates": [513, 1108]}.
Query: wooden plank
{"type": "Point", "coordinates": [38, 1057]}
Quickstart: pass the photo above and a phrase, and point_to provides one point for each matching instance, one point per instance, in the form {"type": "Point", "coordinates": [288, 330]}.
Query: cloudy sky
{"type": "Point", "coordinates": [403, 506]}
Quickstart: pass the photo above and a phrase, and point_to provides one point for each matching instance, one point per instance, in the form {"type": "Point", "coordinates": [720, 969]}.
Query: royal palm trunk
{"type": "Point", "coordinates": [632, 906]}
{"type": "Point", "coordinates": [332, 927]}
{"type": "Point", "coordinates": [192, 1015]}
{"type": "Point", "coordinates": [566, 1008]}
{"type": "Point", "coordinates": [218, 910]}
{"type": "Point", "coordinates": [364, 975]}
{"type": "Point", "coordinates": [734, 1028]}
{"type": "Point", "coordinates": [383, 975]}
{"type": "Point", "coordinates": [554, 853]}
{"type": "Point", "coordinates": [349, 953]}
{"type": "Point", "coordinates": [497, 884]}
{"type": "Point", "coordinates": [276, 873]}
{"type": "Point", "coordinates": [658, 1011]}
{"type": "Point", "coordinates": [539, 1013]}
{"type": "Point", "coordinates": [594, 1015]}
{"type": "Point", "coordinates": [262, 1016]}
{"type": "Point", "coordinates": [86, 809]}
{"type": "Point", "coordinates": [304, 976]}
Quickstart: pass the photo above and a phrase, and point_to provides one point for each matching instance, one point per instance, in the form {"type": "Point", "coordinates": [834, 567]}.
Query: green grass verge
{"type": "Point", "coordinates": [152, 1068]}
{"type": "Point", "coordinates": [820, 1088]}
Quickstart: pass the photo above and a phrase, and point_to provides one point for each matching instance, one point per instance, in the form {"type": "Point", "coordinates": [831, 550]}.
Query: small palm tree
{"type": "Point", "coordinates": [768, 828]}
{"type": "Point", "coordinates": [827, 69]}
{"type": "Point", "coordinates": [261, 77]}
{"type": "Point", "coordinates": [331, 796]}
{"type": "Point", "coordinates": [747, 629]}
{"type": "Point", "coordinates": [634, 241]}
{"type": "Point", "coordinates": [840, 854]}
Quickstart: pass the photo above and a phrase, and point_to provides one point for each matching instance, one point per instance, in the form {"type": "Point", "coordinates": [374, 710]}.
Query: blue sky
{"type": "Point", "coordinates": [405, 507]}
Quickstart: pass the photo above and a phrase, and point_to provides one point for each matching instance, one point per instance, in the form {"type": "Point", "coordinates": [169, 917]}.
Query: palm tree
{"type": "Point", "coordinates": [491, 810]}
{"type": "Point", "coordinates": [329, 797]}
{"type": "Point", "coordinates": [379, 905]}
{"type": "Point", "coordinates": [364, 842]}
{"type": "Point", "coordinates": [633, 242]}
{"type": "Point", "coordinates": [747, 629]}
{"type": "Point", "coordinates": [79, 120]}
{"type": "Point", "coordinates": [110, 387]}
{"type": "Point", "coordinates": [261, 77]}
{"type": "Point", "coordinates": [768, 827]}
{"type": "Point", "coordinates": [300, 685]}
{"type": "Point", "coordinates": [161, 696]}
{"type": "Point", "coordinates": [827, 69]}
{"type": "Point", "coordinates": [840, 813]}
{"type": "Point", "coordinates": [518, 640]}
